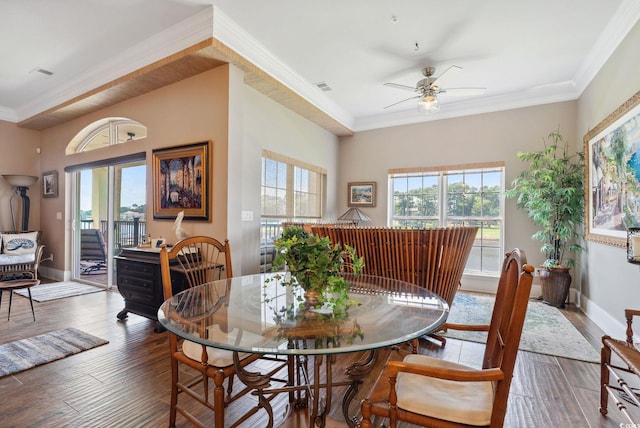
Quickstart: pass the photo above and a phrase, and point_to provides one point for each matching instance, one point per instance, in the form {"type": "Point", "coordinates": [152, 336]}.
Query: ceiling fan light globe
{"type": "Point", "coordinates": [428, 104]}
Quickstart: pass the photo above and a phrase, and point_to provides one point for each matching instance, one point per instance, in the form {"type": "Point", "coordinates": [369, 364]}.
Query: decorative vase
{"type": "Point", "coordinates": [555, 285]}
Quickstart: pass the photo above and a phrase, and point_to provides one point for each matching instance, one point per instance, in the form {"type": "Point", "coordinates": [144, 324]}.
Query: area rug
{"type": "Point", "coordinates": [546, 330]}
{"type": "Point", "coordinates": [58, 290]}
{"type": "Point", "coordinates": [34, 351]}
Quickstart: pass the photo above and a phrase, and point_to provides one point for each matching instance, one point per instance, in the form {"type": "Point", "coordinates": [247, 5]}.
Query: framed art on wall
{"type": "Point", "coordinates": [50, 184]}
{"type": "Point", "coordinates": [181, 182]}
{"type": "Point", "coordinates": [361, 194]}
{"type": "Point", "coordinates": [612, 175]}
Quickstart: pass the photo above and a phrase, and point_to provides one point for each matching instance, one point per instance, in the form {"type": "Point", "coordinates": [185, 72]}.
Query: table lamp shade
{"type": "Point", "coordinates": [354, 215]}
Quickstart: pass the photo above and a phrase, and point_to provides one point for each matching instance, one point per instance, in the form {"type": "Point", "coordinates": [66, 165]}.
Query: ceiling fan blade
{"type": "Point", "coordinates": [447, 74]}
{"type": "Point", "coordinates": [400, 102]}
{"type": "Point", "coordinates": [457, 92]}
{"type": "Point", "coordinates": [398, 86]}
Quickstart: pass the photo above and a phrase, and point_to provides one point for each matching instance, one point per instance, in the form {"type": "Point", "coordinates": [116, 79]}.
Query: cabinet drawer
{"type": "Point", "coordinates": [136, 269]}
{"type": "Point", "coordinates": [137, 295]}
{"type": "Point", "coordinates": [145, 284]}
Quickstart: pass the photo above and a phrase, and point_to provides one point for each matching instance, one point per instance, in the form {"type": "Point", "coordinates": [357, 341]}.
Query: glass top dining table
{"type": "Point", "coordinates": [259, 315]}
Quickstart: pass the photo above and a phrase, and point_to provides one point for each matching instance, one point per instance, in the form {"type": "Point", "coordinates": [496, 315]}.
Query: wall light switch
{"type": "Point", "coordinates": [59, 215]}
{"type": "Point", "coordinates": [247, 215]}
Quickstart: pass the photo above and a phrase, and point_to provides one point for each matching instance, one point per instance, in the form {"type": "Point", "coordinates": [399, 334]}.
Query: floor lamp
{"type": "Point", "coordinates": [21, 184]}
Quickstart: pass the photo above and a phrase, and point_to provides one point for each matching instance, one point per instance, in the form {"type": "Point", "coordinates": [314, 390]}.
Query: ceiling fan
{"type": "Point", "coordinates": [430, 87]}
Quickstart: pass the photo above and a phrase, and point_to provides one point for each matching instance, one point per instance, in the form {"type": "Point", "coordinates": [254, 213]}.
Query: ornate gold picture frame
{"type": "Point", "coordinates": [612, 175]}
{"type": "Point", "coordinates": [181, 182]}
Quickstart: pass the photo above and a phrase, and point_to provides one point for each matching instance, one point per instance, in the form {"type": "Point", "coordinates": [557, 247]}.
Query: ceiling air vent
{"type": "Point", "coordinates": [323, 86]}
{"type": "Point", "coordinates": [42, 71]}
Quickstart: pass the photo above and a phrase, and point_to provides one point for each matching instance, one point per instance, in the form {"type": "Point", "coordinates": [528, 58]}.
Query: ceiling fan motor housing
{"type": "Point", "coordinates": [424, 86]}
{"type": "Point", "coordinates": [428, 71]}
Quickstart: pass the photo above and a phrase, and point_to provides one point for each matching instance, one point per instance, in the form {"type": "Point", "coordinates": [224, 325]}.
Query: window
{"type": "Point", "coordinates": [106, 132]}
{"type": "Point", "coordinates": [291, 191]}
{"type": "Point", "coordinates": [466, 195]}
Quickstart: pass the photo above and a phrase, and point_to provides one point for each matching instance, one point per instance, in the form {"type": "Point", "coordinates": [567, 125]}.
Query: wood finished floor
{"type": "Point", "coordinates": [125, 383]}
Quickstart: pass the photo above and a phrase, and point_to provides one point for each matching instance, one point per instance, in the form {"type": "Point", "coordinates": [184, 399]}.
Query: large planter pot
{"type": "Point", "coordinates": [555, 285]}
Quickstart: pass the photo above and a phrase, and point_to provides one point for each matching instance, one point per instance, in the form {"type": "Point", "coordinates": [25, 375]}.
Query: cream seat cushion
{"type": "Point", "coordinates": [11, 259]}
{"type": "Point", "coordinates": [461, 402]}
{"type": "Point", "coordinates": [221, 357]}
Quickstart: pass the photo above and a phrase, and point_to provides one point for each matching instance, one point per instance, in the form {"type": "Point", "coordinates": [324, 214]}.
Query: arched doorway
{"type": "Point", "coordinates": [108, 200]}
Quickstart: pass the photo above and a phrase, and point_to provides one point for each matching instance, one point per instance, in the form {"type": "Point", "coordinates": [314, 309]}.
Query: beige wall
{"type": "Point", "coordinates": [268, 125]}
{"type": "Point", "coordinates": [367, 156]}
{"type": "Point", "coordinates": [610, 284]}
{"type": "Point", "coordinates": [19, 156]}
{"type": "Point", "coordinates": [189, 111]}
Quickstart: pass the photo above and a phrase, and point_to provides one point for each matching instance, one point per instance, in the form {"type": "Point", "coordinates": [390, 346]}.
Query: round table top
{"type": "Point", "coordinates": [257, 314]}
{"type": "Point", "coordinates": [15, 284]}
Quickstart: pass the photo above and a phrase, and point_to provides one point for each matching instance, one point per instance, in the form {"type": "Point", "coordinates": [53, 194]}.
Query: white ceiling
{"type": "Point", "coordinates": [524, 52]}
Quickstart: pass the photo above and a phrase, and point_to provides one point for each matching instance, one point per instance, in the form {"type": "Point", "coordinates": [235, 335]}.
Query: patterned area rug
{"type": "Point", "coordinates": [24, 354]}
{"type": "Point", "coordinates": [546, 330]}
{"type": "Point", "coordinates": [58, 290]}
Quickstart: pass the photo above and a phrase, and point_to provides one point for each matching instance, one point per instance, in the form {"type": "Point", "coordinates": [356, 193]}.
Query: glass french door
{"type": "Point", "coordinates": [109, 215]}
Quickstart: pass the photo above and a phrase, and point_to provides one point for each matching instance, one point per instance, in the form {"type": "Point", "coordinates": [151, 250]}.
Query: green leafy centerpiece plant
{"type": "Point", "coordinates": [316, 266]}
{"type": "Point", "coordinates": [551, 191]}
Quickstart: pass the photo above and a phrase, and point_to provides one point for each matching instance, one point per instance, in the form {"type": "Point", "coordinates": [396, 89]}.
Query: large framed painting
{"type": "Point", "coordinates": [612, 169]}
{"type": "Point", "coordinates": [361, 194]}
{"type": "Point", "coordinates": [181, 181]}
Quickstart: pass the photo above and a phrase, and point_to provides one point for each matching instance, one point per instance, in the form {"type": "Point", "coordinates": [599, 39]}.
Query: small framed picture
{"type": "Point", "coordinates": [361, 194]}
{"type": "Point", "coordinates": [158, 243]}
{"type": "Point", "coordinates": [50, 184]}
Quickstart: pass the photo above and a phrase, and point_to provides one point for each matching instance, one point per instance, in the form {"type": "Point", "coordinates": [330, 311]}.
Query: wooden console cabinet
{"type": "Point", "coordinates": [140, 283]}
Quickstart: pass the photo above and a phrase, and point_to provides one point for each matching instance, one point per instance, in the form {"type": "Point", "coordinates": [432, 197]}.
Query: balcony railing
{"type": "Point", "coordinates": [128, 233]}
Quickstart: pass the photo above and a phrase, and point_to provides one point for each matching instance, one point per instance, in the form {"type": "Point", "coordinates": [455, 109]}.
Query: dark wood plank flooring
{"type": "Point", "coordinates": [125, 383]}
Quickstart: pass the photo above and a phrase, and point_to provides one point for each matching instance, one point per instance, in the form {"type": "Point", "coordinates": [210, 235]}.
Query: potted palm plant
{"type": "Point", "coordinates": [551, 191]}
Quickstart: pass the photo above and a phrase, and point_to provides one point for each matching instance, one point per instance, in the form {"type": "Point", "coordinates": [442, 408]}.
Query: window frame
{"type": "Point", "coordinates": [294, 192]}
{"type": "Point", "coordinates": [271, 224]}
{"type": "Point", "coordinates": [441, 216]}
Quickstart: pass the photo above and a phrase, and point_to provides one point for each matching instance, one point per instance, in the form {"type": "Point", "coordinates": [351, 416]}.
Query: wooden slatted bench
{"type": "Point", "coordinates": [432, 258]}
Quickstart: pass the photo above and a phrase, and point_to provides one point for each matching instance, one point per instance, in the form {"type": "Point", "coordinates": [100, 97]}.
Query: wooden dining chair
{"type": "Point", "coordinates": [427, 391]}
{"type": "Point", "coordinates": [193, 261]}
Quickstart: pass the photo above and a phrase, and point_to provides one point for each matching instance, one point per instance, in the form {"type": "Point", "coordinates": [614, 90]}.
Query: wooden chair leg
{"type": "Point", "coordinates": [605, 360]}
{"type": "Point", "coordinates": [218, 399]}
{"type": "Point", "coordinates": [437, 338]}
{"type": "Point", "coordinates": [174, 393]}
{"type": "Point", "coordinates": [366, 414]}
{"type": "Point", "coordinates": [230, 386]}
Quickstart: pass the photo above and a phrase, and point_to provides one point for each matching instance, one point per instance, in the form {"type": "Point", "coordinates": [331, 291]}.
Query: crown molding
{"type": "Point", "coordinates": [627, 15]}
{"type": "Point", "coordinates": [182, 35]}
{"type": "Point", "coordinates": [211, 22]}
{"type": "Point", "coordinates": [236, 38]}
{"type": "Point", "coordinates": [464, 108]}
{"type": "Point", "coordinates": [613, 34]}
